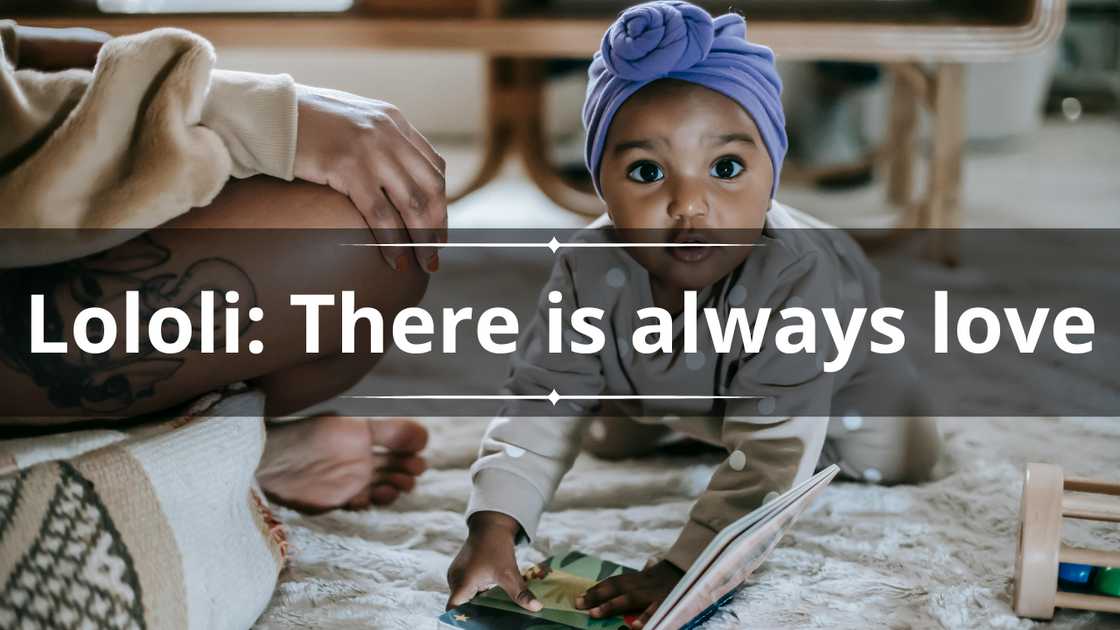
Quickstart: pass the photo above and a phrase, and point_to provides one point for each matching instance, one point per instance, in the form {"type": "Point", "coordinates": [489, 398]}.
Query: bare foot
{"type": "Point", "coordinates": [327, 462]}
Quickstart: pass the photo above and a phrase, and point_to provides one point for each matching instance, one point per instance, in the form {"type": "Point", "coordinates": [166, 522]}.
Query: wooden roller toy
{"type": "Point", "coordinates": [1048, 497]}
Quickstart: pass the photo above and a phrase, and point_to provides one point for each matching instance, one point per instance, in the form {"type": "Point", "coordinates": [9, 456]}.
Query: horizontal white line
{"type": "Point", "coordinates": [557, 246]}
{"type": "Point", "coordinates": [662, 244]}
{"type": "Point", "coordinates": [539, 397]}
{"type": "Point", "coordinates": [549, 397]}
{"type": "Point", "coordinates": [442, 245]}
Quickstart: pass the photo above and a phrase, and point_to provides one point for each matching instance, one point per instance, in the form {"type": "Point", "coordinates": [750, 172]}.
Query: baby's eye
{"type": "Point", "coordinates": [645, 173]}
{"type": "Point", "coordinates": [726, 168]}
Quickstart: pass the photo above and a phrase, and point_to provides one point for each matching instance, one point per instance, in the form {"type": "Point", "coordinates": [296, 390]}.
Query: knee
{"type": "Point", "coordinates": [365, 270]}
{"type": "Point", "coordinates": [891, 450]}
{"type": "Point", "coordinates": [324, 221]}
{"type": "Point", "coordinates": [323, 208]}
{"type": "Point", "coordinates": [326, 218]}
{"type": "Point", "coordinates": [917, 450]}
{"type": "Point", "coordinates": [923, 448]}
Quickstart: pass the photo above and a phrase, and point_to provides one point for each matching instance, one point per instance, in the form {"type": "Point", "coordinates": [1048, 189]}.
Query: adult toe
{"type": "Point", "coordinates": [399, 435]}
{"type": "Point", "coordinates": [383, 494]}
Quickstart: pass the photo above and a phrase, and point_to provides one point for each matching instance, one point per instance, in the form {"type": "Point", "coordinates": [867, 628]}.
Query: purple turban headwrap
{"type": "Point", "coordinates": [678, 40]}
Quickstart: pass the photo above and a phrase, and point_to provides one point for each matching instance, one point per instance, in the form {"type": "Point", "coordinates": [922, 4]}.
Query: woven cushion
{"type": "Point", "coordinates": [160, 526]}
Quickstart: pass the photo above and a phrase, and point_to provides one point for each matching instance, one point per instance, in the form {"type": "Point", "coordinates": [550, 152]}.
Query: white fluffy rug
{"type": "Point", "coordinates": [937, 555]}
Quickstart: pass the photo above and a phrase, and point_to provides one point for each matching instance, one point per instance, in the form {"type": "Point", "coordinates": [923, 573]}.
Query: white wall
{"type": "Point", "coordinates": [441, 93]}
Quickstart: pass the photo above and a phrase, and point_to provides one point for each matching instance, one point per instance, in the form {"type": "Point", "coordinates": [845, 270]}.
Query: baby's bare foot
{"type": "Point", "coordinates": [328, 462]}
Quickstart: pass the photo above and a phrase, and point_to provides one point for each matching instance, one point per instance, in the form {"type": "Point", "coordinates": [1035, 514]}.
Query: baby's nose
{"type": "Point", "coordinates": [689, 201]}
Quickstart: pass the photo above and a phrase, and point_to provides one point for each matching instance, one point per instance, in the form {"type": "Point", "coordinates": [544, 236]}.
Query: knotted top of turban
{"type": "Point", "coordinates": [678, 40]}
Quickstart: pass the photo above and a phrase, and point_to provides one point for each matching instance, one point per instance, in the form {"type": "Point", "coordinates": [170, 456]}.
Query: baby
{"type": "Point", "coordinates": [685, 141]}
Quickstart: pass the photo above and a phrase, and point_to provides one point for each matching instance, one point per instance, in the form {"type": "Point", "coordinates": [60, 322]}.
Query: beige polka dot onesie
{"type": "Point", "coordinates": [798, 416]}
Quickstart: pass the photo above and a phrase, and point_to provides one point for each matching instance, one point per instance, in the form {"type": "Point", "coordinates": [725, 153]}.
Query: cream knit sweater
{"type": "Point", "coordinates": [151, 132]}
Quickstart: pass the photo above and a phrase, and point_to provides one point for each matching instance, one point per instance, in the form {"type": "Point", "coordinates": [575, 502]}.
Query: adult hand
{"type": "Point", "coordinates": [631, 593]}
{"type": "Point", "coordinates": [367, 150]}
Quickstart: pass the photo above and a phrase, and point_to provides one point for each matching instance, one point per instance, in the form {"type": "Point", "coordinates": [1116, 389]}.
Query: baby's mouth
{"type": "Point", "coordinates": [690, 246]}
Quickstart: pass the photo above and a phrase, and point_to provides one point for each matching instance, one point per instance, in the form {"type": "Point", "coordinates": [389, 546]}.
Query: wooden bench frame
{"type": "Point", "coordinates": [926, 60]}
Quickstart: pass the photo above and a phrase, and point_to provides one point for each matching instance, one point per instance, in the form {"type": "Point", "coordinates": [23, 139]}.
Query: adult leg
{"type": "Point", "coordinates": [208, 248]}
{"type": "Point", "coordinates": [169, 266]}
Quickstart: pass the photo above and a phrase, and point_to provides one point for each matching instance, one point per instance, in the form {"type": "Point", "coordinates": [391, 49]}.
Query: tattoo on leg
{"type": "Point", "coordinates": [110, 382]}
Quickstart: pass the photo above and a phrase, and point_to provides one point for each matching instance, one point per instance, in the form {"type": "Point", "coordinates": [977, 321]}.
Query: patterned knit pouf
{"type": "Point", "coordinates": [157, 527]}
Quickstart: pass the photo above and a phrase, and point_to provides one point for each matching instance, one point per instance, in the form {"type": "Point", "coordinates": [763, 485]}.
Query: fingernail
{"type": "Point", "coordinates": [402, 262]}
{"type": "Point", "coordinates": [535, 605]}
{"type": "Point", "coordinates": [433, 263]}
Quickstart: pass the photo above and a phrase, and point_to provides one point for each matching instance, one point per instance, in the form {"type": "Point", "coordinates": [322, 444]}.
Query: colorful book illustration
{"type": "Point", "coordinates": [714, 578]}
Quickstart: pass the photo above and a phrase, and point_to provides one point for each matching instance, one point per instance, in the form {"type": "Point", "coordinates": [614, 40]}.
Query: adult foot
{"type": "Point", "coordinates": [328, 462]}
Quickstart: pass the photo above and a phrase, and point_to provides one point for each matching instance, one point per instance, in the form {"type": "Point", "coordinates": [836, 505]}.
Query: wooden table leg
{"type": "Point", "coordinates": [515, 124]}
{"type": "Point", "coordinates": [531, 142]}
{"type": "Point", "coordinates": [498, 140]}
{"type": "Point", "coordinates": [900, 142]}
{"type": "Point", "coordinates": [945, 162]}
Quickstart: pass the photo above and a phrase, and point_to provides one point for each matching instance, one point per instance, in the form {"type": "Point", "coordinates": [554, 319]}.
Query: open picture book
{"type": "Point", "coordinates": [712, 580]}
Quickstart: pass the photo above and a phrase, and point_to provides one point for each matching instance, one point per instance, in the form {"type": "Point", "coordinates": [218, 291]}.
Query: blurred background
{"type": "Point", "coordinates": [919, 113]}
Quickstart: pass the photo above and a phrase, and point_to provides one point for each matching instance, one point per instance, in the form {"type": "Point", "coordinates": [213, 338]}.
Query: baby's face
{"type": "Point", "coordinates": [683, 163]}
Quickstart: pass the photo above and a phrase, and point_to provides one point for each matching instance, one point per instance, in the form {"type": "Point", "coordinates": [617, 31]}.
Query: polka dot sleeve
{"type": "Point", "coordinates": [529, 448]}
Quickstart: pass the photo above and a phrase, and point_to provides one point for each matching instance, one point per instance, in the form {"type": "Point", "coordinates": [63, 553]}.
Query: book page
{"type": "Point", "coordinates": [735, 553]}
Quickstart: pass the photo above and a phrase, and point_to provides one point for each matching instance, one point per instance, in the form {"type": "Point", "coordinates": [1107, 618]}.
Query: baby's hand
{"type": "Point", "coordinates": [628, 594]}
{"type": "Point", "coordinates": [486, 560]}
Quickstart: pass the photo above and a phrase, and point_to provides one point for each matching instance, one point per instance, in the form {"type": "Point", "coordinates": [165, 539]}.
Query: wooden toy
{"type": "Point", "coordinates": [1108, 581]}
{"type": "Point", "coordinates": [1074, 573]}
{"type": "Point", "coordinates": [1048, 496]}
